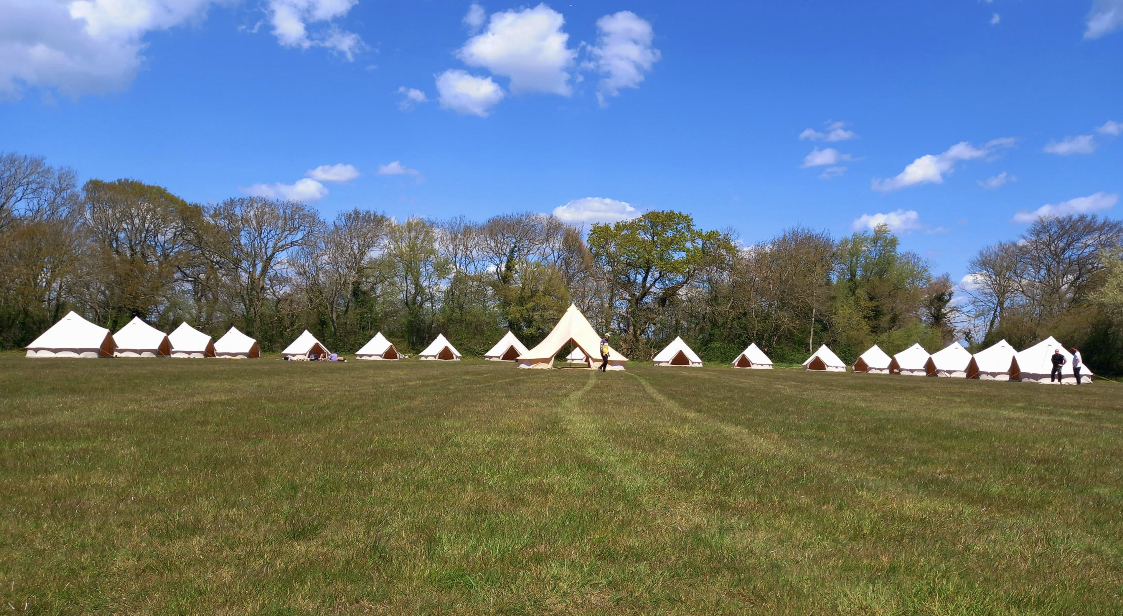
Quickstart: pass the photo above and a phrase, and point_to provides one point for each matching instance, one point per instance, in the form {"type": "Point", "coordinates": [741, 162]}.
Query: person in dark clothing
{"type": "Point", "coordinates": [1077, 363]}
{"type": "Point", "coordinates": [1058, 361]}
{"type": "Point", "coordinates": [604, 353]}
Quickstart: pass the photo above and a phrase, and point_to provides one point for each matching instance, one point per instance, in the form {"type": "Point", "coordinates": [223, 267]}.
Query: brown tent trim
{"type": "Point", "coordinates": [743, 362]}
{"type": "Point", "coordinates": [511, 354]}
{"type": "Point", "coordinates": [861, 366]}
{"type": "Point", "coordinates": [817, 364]}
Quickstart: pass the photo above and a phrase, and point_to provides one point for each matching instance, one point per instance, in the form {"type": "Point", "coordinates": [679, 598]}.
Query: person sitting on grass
{"type": "Point", "coordinates": [334, 357]}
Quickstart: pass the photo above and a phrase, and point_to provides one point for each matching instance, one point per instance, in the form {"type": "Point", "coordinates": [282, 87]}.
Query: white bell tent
{"type": "Point", "coordinates": [378, 348]}
{"type": "Point", "coordinates": [236, 345]}
{"type": "Point", "coordinates": [995, 363]}
{"type": "Point", "coordinates": [753, 357]}
{"type": "Point", "coordinates": [1036, 364]}
{"type": "Point", "coordinates": [190, 342]}
{"type": "Point", "coordinates": [139, 339]}
{"type": "Point", "coordinates": [951, 361]}
{"type": "Point", "coordinates": [304, 346]}
{"type": "Point", "coordinates": [577, 356]}
{"type": "Point", "coordinates": [873, 361]}
{"type": "Point", "coordinates": [73, 336]}
{"type": "Point", "coordinates": [508, 348]}
{"type": "Point", "coordinates": [574, 328]}
{"type": "Point", "coordinates": [824, 360]}
{"type": "Point", "coordinates": [440, 349]}
{"type": "Point", "coordinates": [678, 353]}
{"type": "Point", "coordinates": [910, 362]}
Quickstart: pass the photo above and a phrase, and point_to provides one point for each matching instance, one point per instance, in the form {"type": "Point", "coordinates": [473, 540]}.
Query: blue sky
{"type": "Point", "coordinates": [750, 116]}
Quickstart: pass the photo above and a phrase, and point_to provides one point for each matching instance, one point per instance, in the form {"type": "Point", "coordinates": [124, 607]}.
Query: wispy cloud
{"type": "Point", "coordinates": [833, 131]}
{"type": "Point", "coordinates": [595, 210]}
{"type": "Point", "coordinates": [1081, 205]}
{"type": "Point", "coordinates": [932, 168]}
{"type": "Point", "coordinates": [1081, 144]}
{"type": "Point", "coordinates": [900, 220]}
{"type": "Point", "coordinates": [996, 181]}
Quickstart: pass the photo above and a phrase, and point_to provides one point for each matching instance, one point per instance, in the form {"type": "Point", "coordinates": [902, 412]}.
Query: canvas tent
{"type": "Point", "coordinates": [190, 342]}
{"type": "Point", "coordinates": [304, 346]}
{"type": "Point", "coordinates": [824, 360]}
{"type": "Point", "coordinates": [139, 339]}
{"type": "Point", "coordinates": [873, 361]}
{"type": "Point", "coordinates": [236, 345]}
{"type": "Point", "coordinates": [574, 328]}
{"type": "Point", "coordinates": [378, 348]}
{"type": "Point", "coordinates": [440, 349]}
{"type": "Point", "coordinates": [995, 363]}
{"type": "Point", "coordinates": [753, 357]}
{"type": "Point", "coordinates": [910, 362]}
{"type": "Point", "coordinates": [678, 353]}
{"type": "Point", "coordinates": [1036, 364]}
{"type": "Point", "coordinates": [73, 336]}
{"type": "Point", "coordinates": [951, 361]}
{"type": "Point", "coordinates": [507, 349]}
{"type": "Point", "coordinates": [577, 356]}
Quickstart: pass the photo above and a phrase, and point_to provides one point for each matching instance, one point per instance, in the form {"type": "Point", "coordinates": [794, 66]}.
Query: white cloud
{"type": "Point", "coordinates": [594, 210]}
{"type": "Point", "coordinates": [334, 173]}
{"type": "Point", "coordinates": [832, 172]}
{"type": "Point", "coordinates": [84, 46]}
{"type": "Point", "coordinates": [1111, 128]}
{"type": "Point", "coordinates": [623, 53]}
{"type": "Point", "coordinates": [1080, 205]}
{"type": "Point", "coordinates": [396, 168]}
{"type": "Point", "coordinates": [931, 168]}
{"type": "Point", "coordinates": [824, 158]}
{"type": "Point", "coordinates": [835, 131]}
{"type": "Point", "coordinates": [291, 20]}
{"type": "Point", "coordinates": [526, 45]}
{"type": "Point", "coordinates": [475, 18]}
{"type": "Point", "coordinates": [995, 19]}
{"type": "Point", "coordinates": [899, 220]}
{"type": "Point", "coordinates": [302, 190]}
{"type": "Point", "coordinates": [995, 181]}
{"type": "Point", "coordinates": [1081, 144]}
{"type": "Point", "coordinates": [468, 94]}
{"type": "Point", "coordinates": [410, 98]}
{"type": "Point", "coordinates": [1106, 17]}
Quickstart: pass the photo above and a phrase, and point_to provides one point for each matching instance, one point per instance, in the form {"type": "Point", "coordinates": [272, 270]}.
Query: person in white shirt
{"type": "Point", "coordinates": [1077, 364]}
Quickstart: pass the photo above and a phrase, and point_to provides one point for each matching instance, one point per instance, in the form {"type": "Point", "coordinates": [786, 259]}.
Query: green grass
{"type": "Point", "coordinates": [269, 487]}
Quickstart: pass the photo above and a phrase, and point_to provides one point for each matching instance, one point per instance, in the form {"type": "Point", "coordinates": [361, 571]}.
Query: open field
{"type": "Point", "coordinates": [269, 487]}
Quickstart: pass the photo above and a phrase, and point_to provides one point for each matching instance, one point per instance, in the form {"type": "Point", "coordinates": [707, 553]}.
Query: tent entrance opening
{"type": "Point", "coordinates": [743, 362]}
{"type": "Point", "coordinates": [680, 359]}
{"type": "Point", "coordinates": [446, 354]}
{"type": "Point", "coordinates": [817, 364]}
{"type": "Point", "coordinates": [391, 353]}
{"type": "Point", "coordinates": [511, 354]}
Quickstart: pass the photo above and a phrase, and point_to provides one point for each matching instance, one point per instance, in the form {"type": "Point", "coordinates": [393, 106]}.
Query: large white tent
{"type": "Point", "coordinates": [508, 348]}
{"type": "Point", "coordinates": [441, 349]}
{"type": "Point", "coordinates": [824, 359]}
{"type": "Point", "coordinates": [236, 345]}
{"type": "Point", "coordinates": [139, 339]}
{"type": "Point", "coordinates": [577, 356]}
{"type": "Point", "coordinates": [753, 357]}
{"type": "Point", "coordinates": [378, 348]}
{"type": "Point", "coordinates": [873, 361]}
{"type": "Point", "coordinates": [951, 361]}
{"type": "Point", "coordinates": [574, 328]}
{"type": "Point", "coordinates": [995, 363]}
{"type": "Point", "coordinates": [73, 336]}
{"type": "Point", "coordinates": [1036, 364]}
{"type": "Point", "coordinates": [678, 353]}
{"type": "Point", "coordinates": [304, 346]}
{"type": "Point", "coordinates": [910, 362]}
{"type": "Point", "coordinates": [190, 342]}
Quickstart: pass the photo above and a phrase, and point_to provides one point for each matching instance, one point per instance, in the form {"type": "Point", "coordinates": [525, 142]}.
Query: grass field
{"type": "Point", "coordinates": [270, 487]}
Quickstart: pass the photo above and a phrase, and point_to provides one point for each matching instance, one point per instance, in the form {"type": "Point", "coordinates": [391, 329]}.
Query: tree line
{"type": "Point", "coordinates": [272, 268]}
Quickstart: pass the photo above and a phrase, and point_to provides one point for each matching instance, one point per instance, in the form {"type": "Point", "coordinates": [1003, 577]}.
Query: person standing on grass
{"type": "Point", "coordinates": [1058, 361]}
{"type": "Point", "coordinates": [604, 353]}
{"type": "Point", "coordinates": [1077, 363]}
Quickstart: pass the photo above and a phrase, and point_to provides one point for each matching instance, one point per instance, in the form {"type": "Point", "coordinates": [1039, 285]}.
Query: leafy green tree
{"type": "Point", "coordinates": [647, 261]}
